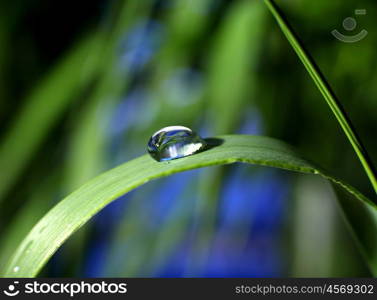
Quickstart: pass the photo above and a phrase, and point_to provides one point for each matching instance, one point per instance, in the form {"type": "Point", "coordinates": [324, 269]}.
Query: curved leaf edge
{"type": "Point", "coordinates": [13, 266]}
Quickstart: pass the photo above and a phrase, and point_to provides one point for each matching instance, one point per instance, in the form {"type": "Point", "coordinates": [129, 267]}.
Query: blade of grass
{"type": "Point", "coordinates": [326, 91]}
{"type": "Point", "coordinates": [44, 106]}
{"type": "Point", "coordinates": [76, 209]}
{"type": "Point", "coordinates": [231, 64]}
{"type": "Point", "coordinates": [33, 208]}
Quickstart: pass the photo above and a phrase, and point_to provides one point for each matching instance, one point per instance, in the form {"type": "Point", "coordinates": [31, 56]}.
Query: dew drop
{"type": "Point", "coordinates": [16, 269]}
{"type": "Point", "coordinates": [174, 142]}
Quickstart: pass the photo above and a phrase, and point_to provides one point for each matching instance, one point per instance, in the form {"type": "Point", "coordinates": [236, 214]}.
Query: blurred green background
{"type": "Point", "coordinates": [84, 85]}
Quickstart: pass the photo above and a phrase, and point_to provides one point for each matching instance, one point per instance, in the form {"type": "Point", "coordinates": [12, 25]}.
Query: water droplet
{"type": "Point", "coordinates": [174, 142]}
{"type": "Point", "coordinates": [16, 269]}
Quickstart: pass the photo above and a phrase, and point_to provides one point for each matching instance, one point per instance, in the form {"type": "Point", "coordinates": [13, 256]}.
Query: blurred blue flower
{"type": "Point", "coordinates": [103, 225]}
{"type": "Point", "coordinates": [140, 44]}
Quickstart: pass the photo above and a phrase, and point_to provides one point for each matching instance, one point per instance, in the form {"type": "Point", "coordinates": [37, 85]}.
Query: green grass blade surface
{"type": "Point", "coordinates": [76, 209]}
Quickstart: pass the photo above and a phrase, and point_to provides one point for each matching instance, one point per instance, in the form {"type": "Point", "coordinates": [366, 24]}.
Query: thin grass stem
{"type": "Point", "coordinates": [326, 91]}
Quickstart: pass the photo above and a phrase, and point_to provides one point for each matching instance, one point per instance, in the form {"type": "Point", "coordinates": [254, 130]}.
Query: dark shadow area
{"type": "Point", "coordinates": [212, 143]}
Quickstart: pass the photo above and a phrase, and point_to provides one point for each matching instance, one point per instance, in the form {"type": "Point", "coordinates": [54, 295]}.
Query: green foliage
{"type": "Point", "coordinates": [326, 92]}
{"type": "Point", "coordinates": [233, 63]}
{"type": "Point", "coordinates": [58, 135]}
{"type": "Point", "coordinates": [76, 209]}
{"type": "Point", "coordinates": [45, 106]}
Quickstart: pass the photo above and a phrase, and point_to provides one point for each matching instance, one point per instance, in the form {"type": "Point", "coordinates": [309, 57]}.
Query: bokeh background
{"type": "Point", "coordinates": [84, 85]}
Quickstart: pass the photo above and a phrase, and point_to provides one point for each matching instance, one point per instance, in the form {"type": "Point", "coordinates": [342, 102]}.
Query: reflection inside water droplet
{"type": "Point", "coordinates": [174, 142]}
{"type": "Point", "coordinates": [16, 269]}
